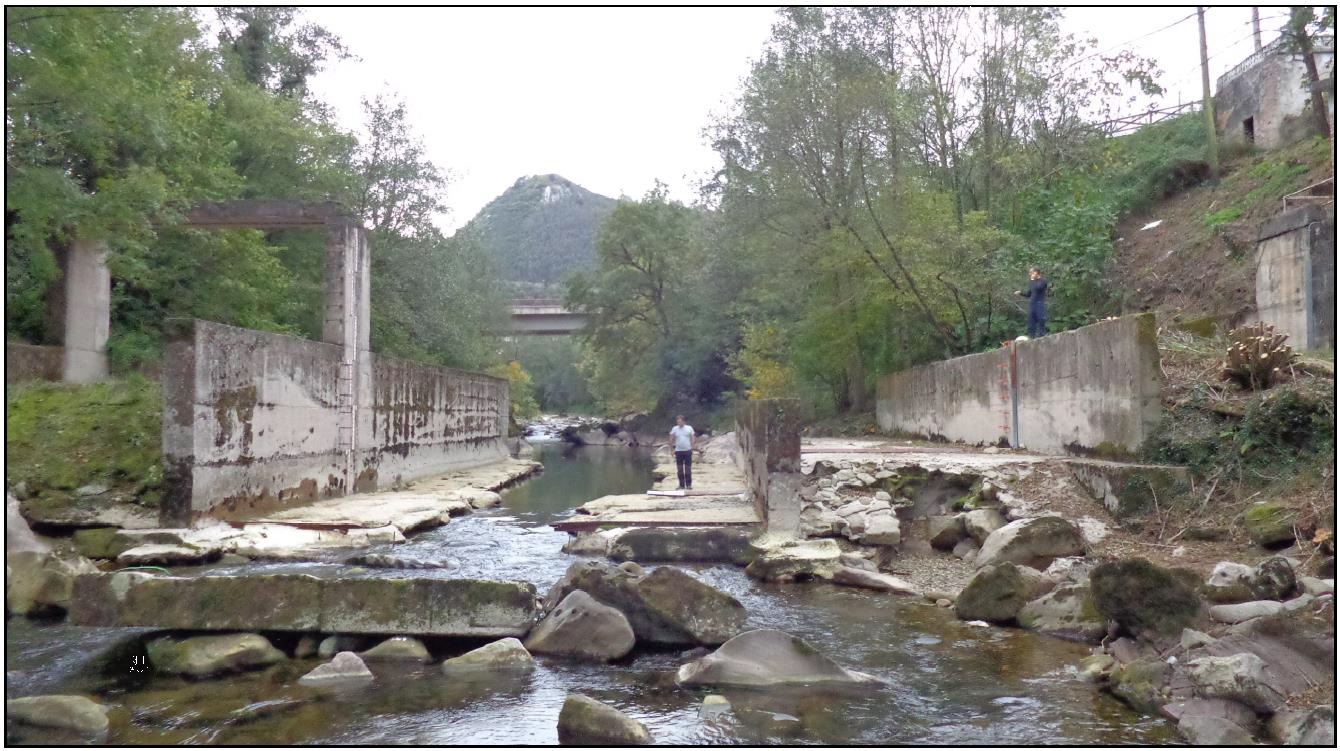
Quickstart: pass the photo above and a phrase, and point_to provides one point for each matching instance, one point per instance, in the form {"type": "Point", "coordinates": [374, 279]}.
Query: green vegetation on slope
{"type": "Point", "coordinates": [541, 230]}
{"type": "Point", "coordinates": [60, 438]}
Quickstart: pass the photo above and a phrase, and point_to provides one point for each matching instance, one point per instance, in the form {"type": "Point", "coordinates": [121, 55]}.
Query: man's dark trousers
{"type": "Point", "coordinates": [684, 467]}
{"type": "Point", "coordinates": [1037, 321]}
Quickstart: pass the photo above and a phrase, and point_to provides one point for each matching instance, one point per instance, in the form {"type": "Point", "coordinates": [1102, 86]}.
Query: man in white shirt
{"type": "Point", "coordinates": [684, 440]}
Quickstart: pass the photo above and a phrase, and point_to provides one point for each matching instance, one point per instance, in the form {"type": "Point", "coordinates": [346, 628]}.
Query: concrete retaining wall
{"type": "Point", "coordinates": [1094, 390]}
{"type": "Point", "coordinates": [251, 420]}
{"type": "Point", "coordinates": [768, 433]}
{"type": "Point", "coordinates": [1295, 276]}
{"type": "Point", "coordinates": [31, 362]}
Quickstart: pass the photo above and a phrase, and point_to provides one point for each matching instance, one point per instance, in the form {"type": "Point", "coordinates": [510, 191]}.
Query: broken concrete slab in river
{"type": "Point", "coordinates": [296, 602]}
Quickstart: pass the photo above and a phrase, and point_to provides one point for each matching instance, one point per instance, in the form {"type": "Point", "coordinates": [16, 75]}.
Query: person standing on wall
{"type": "Point", "coordinates": [684, 440]}
{"type": "Point", "coordinates": [1037, 302]}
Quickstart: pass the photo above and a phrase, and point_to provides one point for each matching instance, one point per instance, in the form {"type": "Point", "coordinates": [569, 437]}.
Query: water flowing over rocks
{"type": "Point", "coordinates": [504, 654]}
{"type": "Point", "coordinates": [585, 721]}
{"type": "Point", "coordinates": [579, 626]}
{"type": "Point", "coordinates": [204, 656]}
{"type": "Point", "coordinates": [766, 657]}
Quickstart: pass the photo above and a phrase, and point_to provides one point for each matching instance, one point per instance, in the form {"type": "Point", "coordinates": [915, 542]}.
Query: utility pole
{"type": "Point", "coordinates": [1207, 101]}
{"type": "Point", "coordinates": [1256, 27]}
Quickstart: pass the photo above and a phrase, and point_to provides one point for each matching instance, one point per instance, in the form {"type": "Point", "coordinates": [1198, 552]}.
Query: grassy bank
{"type": "Point", "coordinates": [60, 438]}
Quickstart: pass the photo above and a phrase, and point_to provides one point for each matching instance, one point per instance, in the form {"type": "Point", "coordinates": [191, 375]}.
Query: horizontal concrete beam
{"type": "Point", "coordinates": [296, 602]}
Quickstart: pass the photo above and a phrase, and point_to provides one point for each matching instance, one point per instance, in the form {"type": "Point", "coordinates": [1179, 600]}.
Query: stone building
{"type": "Point", "coordinates": [1264, 100]}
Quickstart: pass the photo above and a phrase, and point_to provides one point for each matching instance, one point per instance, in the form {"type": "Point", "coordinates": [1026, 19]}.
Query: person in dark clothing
{"type": "Point", "coordinates": [1037, 302]}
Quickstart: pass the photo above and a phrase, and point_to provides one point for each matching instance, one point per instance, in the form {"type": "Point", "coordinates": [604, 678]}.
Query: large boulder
{"type": "Point", "coordinates": [1241, 677]}
{"type": "Point", "coordinates": [980, 523]}
{"type": "Point", "coordinates": [779, 558]}
{"type": "Point", "coordinates": [1068, 612]}
{"type": "Point", "coordinates": [37, 583]}
{"type": "Point", "coordinates": [399, 648]}
{"type": "Point", "coordinates": [764, 658]}
{"type": "Point", "coordinates": [666, 606]}
{"type": "Point", "coordinates": [581, 627]}
{"type": "Point", "coordinates": [204, 656]}
{"type": "Point", "coordinates": [1311, 727]}
{"type": "Point", "coordinates": [682, 544]}
{"type": "Point", "coordinates": [583, 721]}
{"type": "Point", "coordinates": [1214, 722]}
{"type": "Point", "coordinates": [946, 531]}
{"type": "Point", "coordinates": [77, 715]}
{"type": "Point", "coordinates": [504, 654]}
{"type": "Point", "coordinates": [1031, 542]}
{"type": "Point", "coordinates": [997, 593]}
{"type": "Point", "coordinates": [1143, 598]}
{"type": "Point", "coordinates": [1141, 684]}
{"type": "Point", "coordinates": [345, 669]}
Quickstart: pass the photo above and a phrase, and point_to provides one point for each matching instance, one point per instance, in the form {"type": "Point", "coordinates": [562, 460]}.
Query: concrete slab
{"type": "Point", "coordinates": [649, 511]}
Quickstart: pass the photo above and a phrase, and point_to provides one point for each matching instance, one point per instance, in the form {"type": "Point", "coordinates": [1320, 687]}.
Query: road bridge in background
{"type": "Point", "coordinates": [544, 317]}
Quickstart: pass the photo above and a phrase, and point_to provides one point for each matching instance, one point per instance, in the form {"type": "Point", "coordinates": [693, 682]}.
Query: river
{"type": "Point", "coordinates": [947, 682]}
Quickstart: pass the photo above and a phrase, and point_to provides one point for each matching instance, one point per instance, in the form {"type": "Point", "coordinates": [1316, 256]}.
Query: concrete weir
{"type": "Point", "coordinates": [297, 602]}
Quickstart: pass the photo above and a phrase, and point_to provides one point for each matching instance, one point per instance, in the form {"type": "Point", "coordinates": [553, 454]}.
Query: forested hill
{"type": "Point", "coordinates": [542, 229]}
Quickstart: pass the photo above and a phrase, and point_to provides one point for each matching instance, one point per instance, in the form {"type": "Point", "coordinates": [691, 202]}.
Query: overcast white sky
{"type": "Point", "coordinates": [614, 98]}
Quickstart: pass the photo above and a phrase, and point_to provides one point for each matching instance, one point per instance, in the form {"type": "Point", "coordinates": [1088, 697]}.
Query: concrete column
{"type": "Point", "coordinates": [768, 431]}
{"type": "Point", "coordinates": [347, 323]}
{"type": "Point", "coordinates": [178, 432]}
{"type": "Point", "coordinates": [88, 310]}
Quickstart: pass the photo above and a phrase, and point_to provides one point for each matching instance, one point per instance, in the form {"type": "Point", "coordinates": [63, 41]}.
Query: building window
{"type": "Point", "coordinates": [1249, 130]}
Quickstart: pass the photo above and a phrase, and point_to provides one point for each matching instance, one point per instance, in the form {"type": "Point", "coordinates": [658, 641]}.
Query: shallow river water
{"type": "Point", "coordinates": [947, 682]}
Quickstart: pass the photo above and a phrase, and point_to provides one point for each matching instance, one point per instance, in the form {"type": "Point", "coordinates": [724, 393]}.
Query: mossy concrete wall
{"type": "Point", "coordinates": [1091, 391]}
{"type": "Point", "coordinates": [253, 420]}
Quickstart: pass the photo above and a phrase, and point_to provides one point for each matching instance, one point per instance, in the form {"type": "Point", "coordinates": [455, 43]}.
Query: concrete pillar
{"type": "Point", "coordinates": [88, 311]}
{"type": "Point", "coordinates": [1295, 276]}
{"type": "Point", "coordinates": [768, 431]}
{"type": "Point", "coordinates": [347, 324]}
{"type": "Point", "coordinates": [179, 428]}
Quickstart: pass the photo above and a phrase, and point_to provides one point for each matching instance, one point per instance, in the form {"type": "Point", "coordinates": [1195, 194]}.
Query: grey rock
{"type": "Point", "coordinates": [76, 714]}
{"type": "Point", "coordinates": [858, 577]}
{"type": "Point", "coordinates": [1068, 612]}
{"type": "Point", "coordinates": [585, 721]}
{"type": "Point", "coordinates": [1031, 542]}
{"type": "Point", "coordinates": [404, 648]}
{"type": "Point", "coordinates": [90, 490]}
{"type": "Point", "coordinates": [881, 529]}
{"type": "Point", "coordinates": [1208, 730]}
{"type": "Point", "coordinates": [581, 627]}
{"type": "Point", "coordinates": [1273, 579]}
{"type": "Point", "coordinates": [203, 656]}
{"type": "Point", "coordinates": [766, 657]}
{"type": "Point", "coordinates": [38, 583]}
{"type": "Point", "coordinates": [1240, 677]}
{"type": "Point", "coordinates": [504, 654]}
{"type": "Point", "coordinates": [1310, 727]}
{"type": "Point", "coordinates": [779, 558]}
{"type": "Point", "coordinates": [167, 555]}
{"type": "Point", "coordinates": [333, 645]}
{"type": "Point", "coordinates": [1229, 582]}
{"type": "Point", "coordinates": [997, 593]}
{"type": "Point", "coordinates": [1243, 611]}
{"type": "Point", "coordinates": [1143, 598]}
{"type": "Point", "coordinates": [980, 523]}
{"type": "Point", "coordinates": [1314, 586]}
{"type": "Point", "coordinates": [713, 705]}
{"type": "Point", "coordinates": [344, 669]}
{"type": "Point", "coordinates": [964, 547]}
{"type": "Point", "coordinates": [1192, 639]}
{"type": "Point", "coordinates": [946, 532]}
